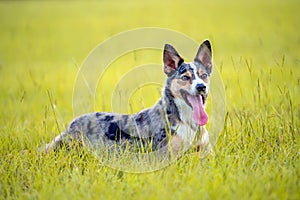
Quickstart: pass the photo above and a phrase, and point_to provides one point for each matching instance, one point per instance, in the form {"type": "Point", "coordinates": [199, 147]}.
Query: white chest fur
{"type": "Point", "coordinates": [187, 129]}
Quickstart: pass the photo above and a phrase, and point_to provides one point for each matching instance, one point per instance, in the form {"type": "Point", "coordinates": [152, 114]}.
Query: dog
{"type": "Point", "coordinates": [176, 122]}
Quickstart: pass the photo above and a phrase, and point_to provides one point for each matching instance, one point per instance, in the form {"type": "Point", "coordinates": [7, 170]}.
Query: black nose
{"type": "Point", "coordinates": [200, 87]}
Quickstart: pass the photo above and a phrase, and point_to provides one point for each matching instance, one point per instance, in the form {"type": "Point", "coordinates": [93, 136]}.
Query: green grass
{"type": "Point", "coordinates": [256, 49]}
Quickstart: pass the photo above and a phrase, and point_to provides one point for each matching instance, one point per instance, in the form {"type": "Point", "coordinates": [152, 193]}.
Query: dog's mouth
{"type": "Point", "coordinates": [196, 102]}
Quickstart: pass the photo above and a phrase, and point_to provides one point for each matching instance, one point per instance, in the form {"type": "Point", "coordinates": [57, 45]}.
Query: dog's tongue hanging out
{"type": "Point", "coordinates": [199, 114]}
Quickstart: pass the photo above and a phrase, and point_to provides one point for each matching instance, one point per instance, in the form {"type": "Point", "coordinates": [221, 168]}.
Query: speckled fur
{"type": "Point", "coordinates": [168, 120]}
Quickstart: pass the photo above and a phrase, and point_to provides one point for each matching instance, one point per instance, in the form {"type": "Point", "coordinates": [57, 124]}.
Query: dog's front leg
{"type": "Point", "coordinates": [202, 141]}
{"type": "Point", "coordinates": [176, 145]}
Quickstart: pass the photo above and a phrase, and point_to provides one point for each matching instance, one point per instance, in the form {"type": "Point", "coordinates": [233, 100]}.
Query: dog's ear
{"type": "Point", "coordinates": [171, 60]}
{"type": "Point", "coordinates": [204, 55]}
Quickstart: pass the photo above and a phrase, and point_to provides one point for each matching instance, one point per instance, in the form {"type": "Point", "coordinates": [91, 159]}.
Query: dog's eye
{"type": "Point", "coordinates": [204, 76]}
{"type": "Point", "coordinates": [185, 78]}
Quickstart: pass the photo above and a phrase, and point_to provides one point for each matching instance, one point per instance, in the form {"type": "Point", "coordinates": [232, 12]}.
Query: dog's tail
{"type": "Point", "coordinates": [54, 144]}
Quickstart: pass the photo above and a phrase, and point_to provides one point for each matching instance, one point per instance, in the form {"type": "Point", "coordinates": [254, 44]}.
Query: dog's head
{"type": "Point", "coordinates": [190, 81]}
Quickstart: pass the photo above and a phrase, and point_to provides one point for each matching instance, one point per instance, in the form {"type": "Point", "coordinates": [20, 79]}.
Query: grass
{"type": "Point", "coordinates": [256, 50]}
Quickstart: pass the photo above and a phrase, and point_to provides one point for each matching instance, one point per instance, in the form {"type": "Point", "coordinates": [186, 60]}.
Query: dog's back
{"type": "Point", "coordinates": [176, 117]}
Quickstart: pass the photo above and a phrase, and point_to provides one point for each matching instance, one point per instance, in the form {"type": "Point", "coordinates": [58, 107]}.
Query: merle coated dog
{"type": "Point", "coordinates": [176, 121]}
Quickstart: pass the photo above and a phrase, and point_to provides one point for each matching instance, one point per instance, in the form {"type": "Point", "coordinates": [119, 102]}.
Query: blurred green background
{"type": "Point", "coordinates": [44, 43]}
{"type": "Point", "coordinates": [256, 47]}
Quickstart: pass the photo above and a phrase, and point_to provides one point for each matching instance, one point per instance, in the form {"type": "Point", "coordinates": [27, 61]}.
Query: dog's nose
{"type": "Point", "coordinates": [200, 87]}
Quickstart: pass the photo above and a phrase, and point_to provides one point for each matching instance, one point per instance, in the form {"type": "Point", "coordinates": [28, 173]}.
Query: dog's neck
{"type": "Point", "coordinates": [178, 116]}
{"type": "Point", "coordinates": [177, 111]}
{"type": "Point", "coordinates": [168, 113]}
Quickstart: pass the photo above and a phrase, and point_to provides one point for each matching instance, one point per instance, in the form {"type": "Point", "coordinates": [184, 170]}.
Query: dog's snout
{"type": "Point", "coordinates": [201, 87]}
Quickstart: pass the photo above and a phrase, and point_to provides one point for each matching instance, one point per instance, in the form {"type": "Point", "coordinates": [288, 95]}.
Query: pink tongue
{"type": "Point", "coordinates": [199, 114]}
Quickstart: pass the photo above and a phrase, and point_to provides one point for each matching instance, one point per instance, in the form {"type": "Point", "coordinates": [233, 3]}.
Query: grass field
{"type": "Point", "coordinates": [256, 50]}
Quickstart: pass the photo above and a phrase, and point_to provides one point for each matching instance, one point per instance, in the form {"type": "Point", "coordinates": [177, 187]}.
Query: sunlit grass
{"type": "Point", "coordinates": [256, 50]}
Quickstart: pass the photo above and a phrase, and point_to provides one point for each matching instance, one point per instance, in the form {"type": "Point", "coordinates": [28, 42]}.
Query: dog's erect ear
{"type": "Point", "coordinates": [171, 60]}
{"type": "Point", "coordinates": [204, 55]}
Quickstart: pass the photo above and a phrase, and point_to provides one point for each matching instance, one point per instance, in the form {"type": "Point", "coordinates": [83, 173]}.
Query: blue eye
{"type": "Point", "coordinates": [185, 78]}
{"type": "Point", "coordinates": [204, 76]}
